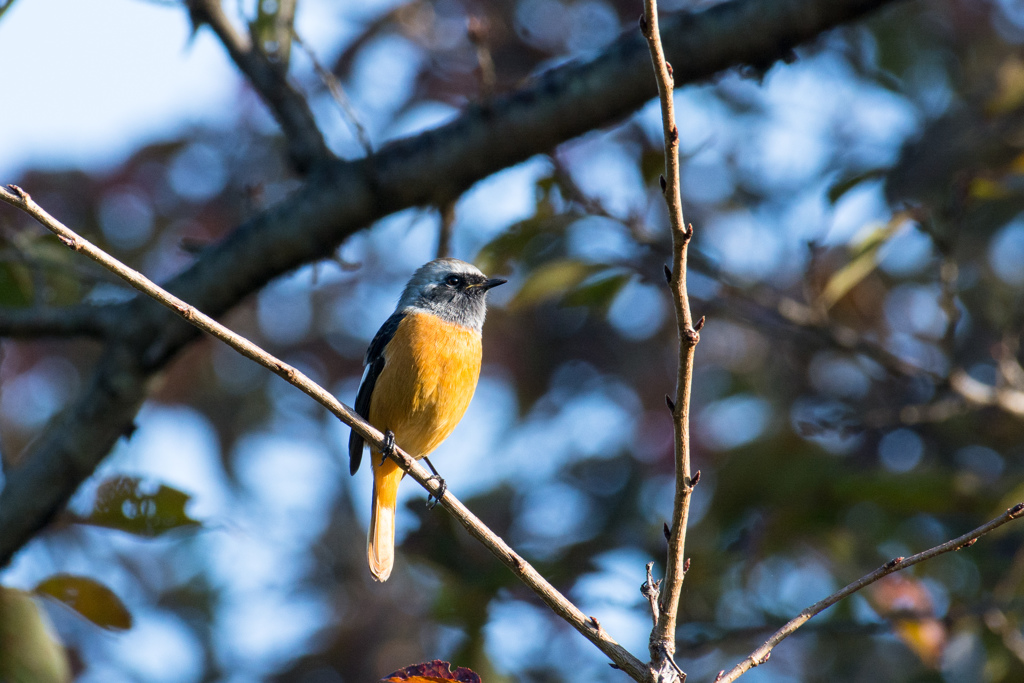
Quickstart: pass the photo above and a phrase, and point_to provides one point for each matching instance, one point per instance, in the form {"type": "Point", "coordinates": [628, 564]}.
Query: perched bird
{"type": "Point", "coordinates": [421, 371]}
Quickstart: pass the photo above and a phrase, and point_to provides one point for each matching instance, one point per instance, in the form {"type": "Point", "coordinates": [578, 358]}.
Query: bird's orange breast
{"type": "Point", "coordinates": [430, 373]}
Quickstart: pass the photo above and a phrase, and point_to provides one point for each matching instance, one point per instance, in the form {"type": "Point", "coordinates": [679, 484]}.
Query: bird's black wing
{"type": "Point", "coordinates": [374, 365]}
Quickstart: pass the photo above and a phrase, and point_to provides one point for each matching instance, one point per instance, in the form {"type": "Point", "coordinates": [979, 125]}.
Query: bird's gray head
{"type": "Point", "coordinates": [451, 289]}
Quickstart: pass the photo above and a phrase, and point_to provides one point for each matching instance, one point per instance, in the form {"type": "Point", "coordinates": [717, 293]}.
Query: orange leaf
{"type": "Point", "coordinates": [906, 602]}
{"type": "Point", "coordinates": [91, 599]}
{"type": "Point", "coordinates": [436, 671]}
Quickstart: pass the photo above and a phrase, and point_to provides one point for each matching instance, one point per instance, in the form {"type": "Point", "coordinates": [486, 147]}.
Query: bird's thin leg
{"type": "Point", "coordinates": [441, 483]}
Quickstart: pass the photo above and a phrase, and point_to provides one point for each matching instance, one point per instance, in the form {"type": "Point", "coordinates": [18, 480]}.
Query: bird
{"type": "Point", "coordinates": [421, 371]}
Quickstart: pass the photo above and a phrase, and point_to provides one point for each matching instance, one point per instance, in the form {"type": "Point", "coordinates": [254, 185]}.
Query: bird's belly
{"type": "Point", "coordinates": [429, 377]}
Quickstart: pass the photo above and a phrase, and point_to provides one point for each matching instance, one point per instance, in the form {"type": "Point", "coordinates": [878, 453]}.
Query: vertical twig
{"type": "Point", "coordinates": [663, 640]}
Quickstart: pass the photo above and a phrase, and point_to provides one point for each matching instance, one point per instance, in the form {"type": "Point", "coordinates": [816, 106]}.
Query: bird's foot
{"type": "Point", "coordinates": [389, 446]}
{"type": "Point", "coordinates": [442, 486]}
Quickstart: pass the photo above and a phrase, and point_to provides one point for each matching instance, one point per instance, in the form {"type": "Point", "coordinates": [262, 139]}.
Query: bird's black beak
{"type": "Point", "coordinates": [493, 282]}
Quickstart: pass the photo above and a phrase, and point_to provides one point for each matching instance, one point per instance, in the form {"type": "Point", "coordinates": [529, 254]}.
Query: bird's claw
{"type": "Point", "coordinates": [442, 486]}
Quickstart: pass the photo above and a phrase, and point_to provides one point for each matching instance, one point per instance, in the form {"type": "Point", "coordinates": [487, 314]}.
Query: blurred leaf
{"type": "Point", "coordinates": [123, 503]}
{"type": "Point", "coordinates": [1010, 89]}
{"type": "Point", "coordinates": [28, 653]}
{"type": "Point", "coordinates": [836, 191]}
{"type": "Point", "coordinates": [987, 189]}
{"type": "Point", "coordinates": [63, 285]}
{"type": "Point", "coordinates": [864, 260]}
{"type": "Point", "coordinates": [552, 280]}
{"type": "Point", "coordinates": [91, 599]}
{"type": "Point", "coordinates": [597, 292]}
{"type": "Point", "coordinates": [432, 672]}
{"type": "Point", "coordinates": [15, 284]}
{"type": "Point", "coordinates": [908, 603]}
{"type": "Point", "coordinates": [495, 256]}
{"type": "Point", "coordinates": [273, 28]}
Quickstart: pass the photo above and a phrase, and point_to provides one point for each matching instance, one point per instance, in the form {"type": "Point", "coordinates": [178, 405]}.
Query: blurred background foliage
{"type": "Point", "coordinates": [858, 393]}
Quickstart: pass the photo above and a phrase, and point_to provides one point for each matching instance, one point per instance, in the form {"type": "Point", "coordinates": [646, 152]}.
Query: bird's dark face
{"type": "Point", "coordinates": [453, 290]}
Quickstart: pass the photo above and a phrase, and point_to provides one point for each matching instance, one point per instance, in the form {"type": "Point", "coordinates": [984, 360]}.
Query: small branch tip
{"type": "Point", "coordinates": [1016, 510]}
{"type": "Point", "coordinates": [613, 665]}
{"type": "Point", "coordinates": [673, 135]}
{"type": "Point", "coordinates": [700, 324]}
{"type": "Point", "coordinates": [671, 74]}
{"type": "Point", "coordinates": [668, 275]}
{"type": "Point", "coordinates": [720, 675]}
{"type": "Point", "coordinates": [686, 565]}
{"type": "Point", "coordinates": [595, 623]}
{"type": "Point", "coordinates": [663, 183]}
{"type": "Point", "coordinates": [643, 24]}
{"type": "Point", "coordinates": [670, 403]}
{"type": "Point", "coordinates": [695, 479]}
{"type": "Point", "coordinates": [968, 544]}
{"type": "Point", "coordinates": [893, 562]}
{"type": "Point", "coordinates": [668, 532]}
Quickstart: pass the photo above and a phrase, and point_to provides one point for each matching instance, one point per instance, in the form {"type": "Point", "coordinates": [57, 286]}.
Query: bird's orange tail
{"type": "Point", "coordinates": [380, 545]}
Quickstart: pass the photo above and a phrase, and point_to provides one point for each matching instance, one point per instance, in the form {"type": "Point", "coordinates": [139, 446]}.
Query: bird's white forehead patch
{"type": "Point", "coordinates": [436, 270]}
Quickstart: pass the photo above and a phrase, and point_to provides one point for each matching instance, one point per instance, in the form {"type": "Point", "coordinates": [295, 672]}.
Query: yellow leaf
{"type": "Point", "coordinates": [865, 249]}
{"type": "Point", "coordinates": [986, 188]}
{"type": "Point", "coordinates": [91, 599]}
{"type": "Point", "coordinates": [28, 651]}
{"type": "Point", "coordinates": [1010, 90]}
{"type": "Point", "coordinates": [552, 280]}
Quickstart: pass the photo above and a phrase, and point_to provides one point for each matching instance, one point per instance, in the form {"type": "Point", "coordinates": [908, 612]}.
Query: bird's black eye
{"type": "Point", "coordinates": [453, 280]}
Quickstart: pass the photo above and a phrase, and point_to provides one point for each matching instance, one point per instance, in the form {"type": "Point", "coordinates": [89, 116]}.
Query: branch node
{"type": "Point", "coordinates": [1016, 510]}
{"type": "Point", "coordinates": [643, 24]}
{"type": "Point", "coordinates": [968, 544]}
{"type": "Point", "coordinates": [893, 562]}
{"type": "Point", "coordinates": [700, 324]}
{"type": "Point", "coordinates": [667, 530]}
{"type": "Point", "coordinates": [686, 566]}
{"type": "Point", "coordinates": [663, 183]}
{"type": "Point", "coordinates": [695, 479]}
{"type": "Point", "coordinates": [595, 624]}
{"type": "Point", "coordinates": [613, 665]}
{"type": "Point", "coordinates": [671, 73]}
{"type": "Point", "coordinates": [670, 403]}
{"type": "Point", "coordinates": [673, 135]}
{"type": "Point", "coordinates": [668, 275]}
{"type": "Point", "coordinates": [22, 195]}
{"type": "Point", "coordinates": [720, 675]}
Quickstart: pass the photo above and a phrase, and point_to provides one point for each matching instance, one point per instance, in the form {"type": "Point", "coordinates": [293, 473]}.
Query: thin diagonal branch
{"type": "Point", "coordinates": [306, 146]}
{"type": "Point", "coordinates": [761, 654]}
{"type": "Point", "coordinates": [663, 636]}
{"type": "Point", "coordinates": [520, 567]}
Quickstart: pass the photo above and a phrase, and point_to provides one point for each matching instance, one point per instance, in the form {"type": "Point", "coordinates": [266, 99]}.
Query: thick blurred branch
{"type": "Point", "coordinates": [663, 636]}
{"type": "Point", "coordinates": [761, 654]}
{"type": "Point", "coordinates": [84, 320]}
{"type": "Point", "coordinates": [587, 626]}
{"type": "Point", "coordinates": [306, 146]}
{"type": "Point", "coordinates": [339, 198]}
